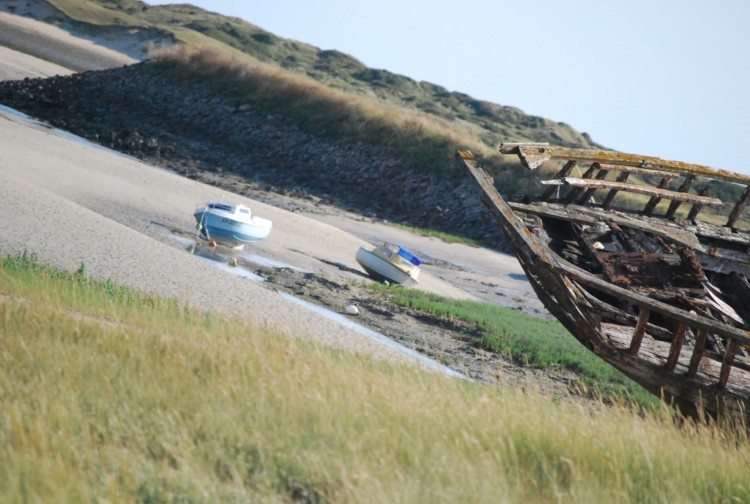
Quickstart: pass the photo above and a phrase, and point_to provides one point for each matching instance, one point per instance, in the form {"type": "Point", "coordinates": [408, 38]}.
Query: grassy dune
{"type": "Point", "coordinates": [200, 28]}
{"type": "Point", "coordinates": [113, 395]}
{"type": "Point", "coordinates": [424, 142]}
{"type": "Point", "coordinates": [331, 94]}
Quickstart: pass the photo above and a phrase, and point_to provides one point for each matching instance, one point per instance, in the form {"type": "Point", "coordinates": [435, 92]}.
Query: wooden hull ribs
{"type": "Point", "coordinates": [615, 249]}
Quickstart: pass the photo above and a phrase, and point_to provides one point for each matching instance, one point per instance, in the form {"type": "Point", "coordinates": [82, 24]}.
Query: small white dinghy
{"type": "Point", "coordinates": [229, 224]}
{"type": "Point", "coordinates": [390, 263]}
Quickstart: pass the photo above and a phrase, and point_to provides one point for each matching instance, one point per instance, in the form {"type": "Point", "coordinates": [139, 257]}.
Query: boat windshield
{"type": "Point", "coordinates": [221, 206]}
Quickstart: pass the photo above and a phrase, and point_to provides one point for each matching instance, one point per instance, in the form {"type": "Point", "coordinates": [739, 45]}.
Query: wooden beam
{"type": "Point", "coordinates": [622, 177]}
{"type": "Point", "coordinates": [726, 366]}
{"type": "Point", "coordinates": [636, 188]}
{"type": "Point", "coordinates": [612, 313]}
{"type": "Point", "coordinates": [697, 206]}
{"type": "Point", "coordinates": [573, 193]}
{"type": "Point", "coordinates": [646, 172]}
{"type": "Point", "coordinates": [534, 155]}
{"type": "Point", "coordinates": [587, 215]}
{"type": "Point", "coordinates": [700, 345]}
{"type": "Point", "coordinates": [674, 350]}
{"type": "Point", "coordinates": [685, 187]}
{"type": "Point", "coordinates": [690, 319]}
{"type": "Point", "coordinates": [738, 208]}
{"type": "Point", "coordinates": [639, 331]}
{"type": "Point", "coordinates": [561, 174]}
{"type": "Point", "coordinates": [649, 209]}
{"type": "Point", "coordinates": [590, 192]}
{"type": "Point", "coordinates": [722, 264]}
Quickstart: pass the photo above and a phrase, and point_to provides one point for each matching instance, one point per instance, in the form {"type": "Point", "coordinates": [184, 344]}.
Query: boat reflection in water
{"type": "Point", "coordinates": [225, 261]}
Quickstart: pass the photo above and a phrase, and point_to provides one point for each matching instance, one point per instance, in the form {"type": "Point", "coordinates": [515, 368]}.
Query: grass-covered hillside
{"type": "Point", "coordinates": [491, 123]}
{"type": "Point", "coordinates": [397, 128]}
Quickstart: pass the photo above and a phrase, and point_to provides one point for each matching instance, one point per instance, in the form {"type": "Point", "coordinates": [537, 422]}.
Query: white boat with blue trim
{"type": "Point", "coordinates": [391, 263]}
{"type": "Point", "coordinates": [230, 224]}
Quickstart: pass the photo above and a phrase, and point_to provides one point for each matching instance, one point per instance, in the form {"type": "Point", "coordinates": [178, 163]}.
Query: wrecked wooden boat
{"type": "Point", "coordinates": [617, 249]}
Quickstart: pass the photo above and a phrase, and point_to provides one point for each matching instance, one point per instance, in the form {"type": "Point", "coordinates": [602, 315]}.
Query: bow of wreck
{"type": "Point", "coordinates": [617, 248]}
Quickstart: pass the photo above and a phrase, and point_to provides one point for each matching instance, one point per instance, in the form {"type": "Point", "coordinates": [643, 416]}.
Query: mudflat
{"type": "Point", "coordinates": [73, 203]}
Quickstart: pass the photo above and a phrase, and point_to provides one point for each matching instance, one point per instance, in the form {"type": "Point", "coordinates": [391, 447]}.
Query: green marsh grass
{"type": "Point", "coordinates": [534, 341]}
{"type": "Point", "coordinates": [111, 395]}
{"type": "Point", "coordinates": [446, 237]}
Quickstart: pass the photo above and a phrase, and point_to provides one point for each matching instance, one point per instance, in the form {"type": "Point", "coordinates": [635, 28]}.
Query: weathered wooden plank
{"type": "Point", "coordinates": [739, 207]}
{"type": "Point", "coordinates": [639, 330]}
{"type": "Point", "coordinates": [697, 206]}
{"type": "Point", "coordinates": [736, 364]}
{"type": "Point", "coordinates": [674, 350]}
{"type": "Point", "coordinates": [684, 233]}
{"type": "Point", "coordinates": [590, 192]}
{"type": "Point", "coordinates": [573, 193]}
{"type": "Point", "coordinates": [720, 264]}
{"type": "Point", "coordinates": [721, 233]}
{"type": "Point", "coordinates": [690, 319]}
{"type": "Point", "coordinates": [636, 188]}
{"type": "Point", "coordinates": [564, 172]}
{"type": "Point", "coordinates": [685, 187]}
{"type": "Point", "coordinates": [586, 215]}
{"type": "Point", "coordinates": [700, 345]}
{"type": "Point", "coordinates": [615, 314]}
{"type": "Point", "coordinates": [556, 211]}
{"type": "Point", "coordinates": [649, 209]}
{"type": "Point", "coordinates": [726, 366]}
{"type": "Point", "coordinates": [623, 177]}
{"type": "Point", "coordinates": [646, 172]}
{"type": "Point", "coordinates": [534, 155]}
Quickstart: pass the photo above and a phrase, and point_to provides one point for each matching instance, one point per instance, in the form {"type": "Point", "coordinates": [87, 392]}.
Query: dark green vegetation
{"type": "Point", "coordinates": [446, 237]}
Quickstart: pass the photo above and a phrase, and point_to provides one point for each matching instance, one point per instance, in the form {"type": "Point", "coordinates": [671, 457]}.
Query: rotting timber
{"type": "Point", "coordinates": [620, 257]}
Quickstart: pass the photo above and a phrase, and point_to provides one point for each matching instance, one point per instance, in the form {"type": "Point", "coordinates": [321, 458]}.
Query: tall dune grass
{"type": "Point", "coordinates": [422, 142]}
{"type": "Point", "coordinates": [112, 395]}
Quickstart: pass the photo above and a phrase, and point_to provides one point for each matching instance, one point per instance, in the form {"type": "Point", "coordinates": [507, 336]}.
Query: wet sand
{"type": "Point", "coordinates": [73, 203]}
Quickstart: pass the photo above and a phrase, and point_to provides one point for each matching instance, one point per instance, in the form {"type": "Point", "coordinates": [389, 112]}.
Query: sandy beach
{"type": "Point", "coordinates": [54, 45]}
{"type": "Point", "coordinates": [74, 203]}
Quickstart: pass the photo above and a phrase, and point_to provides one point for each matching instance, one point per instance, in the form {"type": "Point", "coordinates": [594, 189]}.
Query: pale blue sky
{"type": "Point", "coordinates": [666, 78]}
